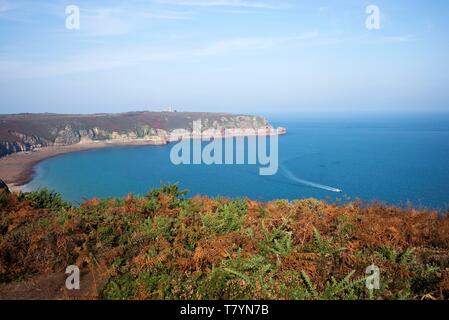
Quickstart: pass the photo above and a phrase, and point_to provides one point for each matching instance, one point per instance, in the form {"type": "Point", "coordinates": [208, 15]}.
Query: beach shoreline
{"type": "Point", "coordinates": [18, 169]}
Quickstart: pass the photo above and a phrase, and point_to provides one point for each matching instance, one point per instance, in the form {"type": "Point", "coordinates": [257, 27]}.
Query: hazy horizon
{"type": "Point", "coordinates": [282, 114]}
{"type": "Point", "coordinates": [238, 56]}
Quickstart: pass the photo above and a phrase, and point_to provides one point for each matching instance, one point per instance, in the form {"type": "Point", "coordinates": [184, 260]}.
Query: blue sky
{"type": "Point", "coordinates": [239, 56]}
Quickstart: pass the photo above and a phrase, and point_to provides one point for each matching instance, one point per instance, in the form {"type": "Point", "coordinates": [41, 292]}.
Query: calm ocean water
{"type": "Point", "coordinates": [395, 159]}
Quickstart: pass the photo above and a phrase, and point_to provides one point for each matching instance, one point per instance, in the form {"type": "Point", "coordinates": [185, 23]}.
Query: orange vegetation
{"type": "Point", "coordinates": [165, 246]}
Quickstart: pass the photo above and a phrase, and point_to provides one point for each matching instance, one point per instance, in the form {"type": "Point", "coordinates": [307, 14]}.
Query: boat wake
{"type": "Point", "coordinates": [294, 178]}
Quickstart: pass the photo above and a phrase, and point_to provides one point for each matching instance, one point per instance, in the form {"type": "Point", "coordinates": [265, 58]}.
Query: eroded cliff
{"type": "Point", "coordinates": [29, 132]}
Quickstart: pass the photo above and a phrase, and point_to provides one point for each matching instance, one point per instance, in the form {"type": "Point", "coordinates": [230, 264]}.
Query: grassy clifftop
{"type": "Point", "coordinates": [165, 246]}
{"type": "Point", "coordinates": [46, 126]}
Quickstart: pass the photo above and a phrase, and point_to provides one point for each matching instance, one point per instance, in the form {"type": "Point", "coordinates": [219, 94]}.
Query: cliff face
{"type": "Point", "coordinates": [29, 132]}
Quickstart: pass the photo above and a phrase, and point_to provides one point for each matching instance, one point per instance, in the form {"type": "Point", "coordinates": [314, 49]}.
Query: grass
{"type": "Point", "coordinates": [166, 246]}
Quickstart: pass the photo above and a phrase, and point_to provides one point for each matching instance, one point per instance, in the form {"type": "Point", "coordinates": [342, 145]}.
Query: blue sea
{"type": "Point", "coordinates": [397, 159]}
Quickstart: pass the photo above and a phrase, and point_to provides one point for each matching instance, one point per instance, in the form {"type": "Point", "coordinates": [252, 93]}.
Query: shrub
{"type": "Point", "coordinates": [346, 288]}
{"type": "Point", "coordinates": [150, 206]}
{"type": "Point", "coordinates": [4, 200]}
{"type": "Point", "coordinates": [159, 226]}
{"type": "Point", "coordinates": [45, 199]}
{"type": "Point", "coordinates": [205, 248]}
{"type": "Point", "coordinates": [311, 206]}
{"type": "Point", "coordinates": [279, 241]}
{"type": "Point", "coordinates": [167, 189]}
{"type": "Point", "coordinates": [227, 218]}
{"type": "Point", "coordinates": [426, 281]}
{"type": "Point", "coordinates": [120, 288]}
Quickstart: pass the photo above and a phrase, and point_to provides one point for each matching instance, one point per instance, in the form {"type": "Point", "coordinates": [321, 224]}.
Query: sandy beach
{"type": "Point", "coordinates": [17, 169]}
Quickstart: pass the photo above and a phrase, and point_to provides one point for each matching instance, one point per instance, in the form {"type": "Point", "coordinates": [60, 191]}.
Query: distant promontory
{"type": "Point", "coordinates": [26, 139]}
{"type": "Point", "coordinates": [30, 132]}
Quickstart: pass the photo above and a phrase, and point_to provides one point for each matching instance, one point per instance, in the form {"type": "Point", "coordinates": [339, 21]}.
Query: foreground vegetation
{"type": "Point", "coordinates": [165, 246]}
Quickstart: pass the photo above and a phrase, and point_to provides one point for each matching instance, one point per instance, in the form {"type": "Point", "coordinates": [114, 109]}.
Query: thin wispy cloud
{"type": "Point", "coordinates": [221, 3]}
{"type": "Point", "coordinates": [120, 21]}
{"type": "Point", "coordinates": [14, 13]}
{"type": "Point", "coordinates": [229, 46]}
{"type": "Point", "coordinates": [191, 46]}
{"type": "Point", "coordinates": [402, 38]}
{"type": "Point", "coordinates": [105, 22]}
{"type": "Point", "coordinates": [112, 59]}
{"type": "Point", "coordinates": [5, 6]}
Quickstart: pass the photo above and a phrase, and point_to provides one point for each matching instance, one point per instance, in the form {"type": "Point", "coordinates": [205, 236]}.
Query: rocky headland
{"type": "Point", "coordinates": [26, 139]}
